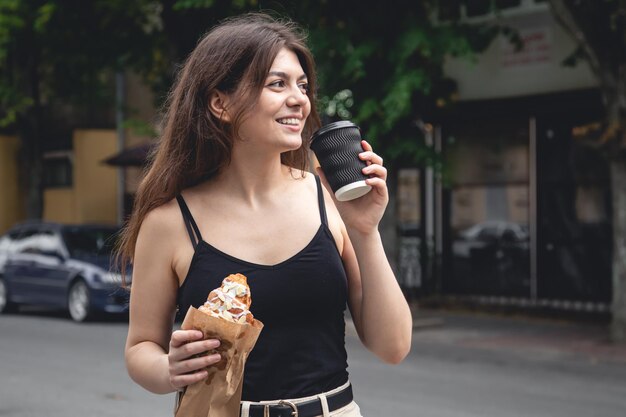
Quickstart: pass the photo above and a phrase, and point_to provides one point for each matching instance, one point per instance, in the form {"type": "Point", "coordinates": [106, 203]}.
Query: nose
{"type": "Point", "coordinates": [297, 97]}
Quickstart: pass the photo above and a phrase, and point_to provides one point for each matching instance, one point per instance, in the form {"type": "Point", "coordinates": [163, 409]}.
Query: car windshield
{"type": "Point", "coordinates": [90, 241]}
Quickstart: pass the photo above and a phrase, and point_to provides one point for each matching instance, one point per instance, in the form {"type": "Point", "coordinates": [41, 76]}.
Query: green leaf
{"type": "Point", "coordinates": [415, 39]}
{"type": "Point", "coordinates": [193, 4]}
{"type": "Point", "coordinates": [12, 103]}
{"type": "Point", "coordinates": [355, 62]}
{"type": "Point", "coordinates": [140, 127]}
{"type": "Point", "coordinates": [367, 109]}
{"type": "Point", "coordinates": [10, 22]}
{"type": "Point", "coordinates": [43, 16]}
{"type": "Point", "coordinates": [398, 102]}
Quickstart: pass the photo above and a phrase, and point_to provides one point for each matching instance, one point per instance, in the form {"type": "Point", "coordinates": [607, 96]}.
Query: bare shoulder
{"type": "Point", "coordinates": [302, 183]}
{"type": "Point", "coordinates": [163, 220]}
{"type": "Point", "coordinates": [306, 178]}
{"type": "Point", "coordinates": [161, 239]}
{"type": "Point", "coordinates": [162, 231]}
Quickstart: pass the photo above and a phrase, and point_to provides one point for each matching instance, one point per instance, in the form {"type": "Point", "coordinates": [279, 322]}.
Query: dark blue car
{"type": "Point", "coordinates": [60, 266]}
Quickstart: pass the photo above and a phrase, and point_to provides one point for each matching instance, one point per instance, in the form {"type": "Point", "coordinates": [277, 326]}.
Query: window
{"type": "Point", "coordinates": [44, 242]}
{"type": "Point", "coordinates": [57, 171]}
{"type": "Point", "coordinates": [90, 241]}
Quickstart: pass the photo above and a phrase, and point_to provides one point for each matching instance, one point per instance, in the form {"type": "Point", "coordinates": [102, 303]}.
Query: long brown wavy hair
{"type": "Point", "coordinates": [233, 58]}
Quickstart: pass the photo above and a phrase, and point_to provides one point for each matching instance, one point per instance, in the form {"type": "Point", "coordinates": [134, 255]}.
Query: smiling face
{"type": "Point", "coordinates": [278, 117]}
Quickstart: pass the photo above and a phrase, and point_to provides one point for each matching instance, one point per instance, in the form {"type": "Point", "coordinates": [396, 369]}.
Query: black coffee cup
{"type": "Point", "coordinates": [337, 147]}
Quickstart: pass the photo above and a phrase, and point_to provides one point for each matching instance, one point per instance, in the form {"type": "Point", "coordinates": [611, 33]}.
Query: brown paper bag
{"type": "Point", "coordinates": [220, 394]}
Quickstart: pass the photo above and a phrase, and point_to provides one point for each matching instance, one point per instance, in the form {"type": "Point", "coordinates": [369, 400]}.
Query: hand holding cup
{"type": "Point", "coordinates": [337, 146]}
{"type": "Point", "coordinates": [360, 171]}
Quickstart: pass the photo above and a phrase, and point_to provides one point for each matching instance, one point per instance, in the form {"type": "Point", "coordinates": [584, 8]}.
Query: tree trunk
{"type": "Point", "coordinates": [32, 137]}
{"type": "Point", "coordinates": [618, 179]}
{"type": "Point", "coordinates": [32, 174]}
{"type": "Point", "coordinates": [611, 75]}
{"type": "Point", "coordinates": [30, 164]}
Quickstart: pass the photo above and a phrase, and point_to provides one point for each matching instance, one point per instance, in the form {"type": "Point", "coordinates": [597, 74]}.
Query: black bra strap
{"type": "Point", "coordinates": [189, 222]}
{"type": "Point", "coordinates": [320, 200]}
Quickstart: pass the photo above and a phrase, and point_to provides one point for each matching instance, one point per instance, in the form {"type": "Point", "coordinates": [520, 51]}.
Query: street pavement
{"type": "Point", "coordinates": [481, 366]}
{"type": "Point", "coordinates": [460, 365]}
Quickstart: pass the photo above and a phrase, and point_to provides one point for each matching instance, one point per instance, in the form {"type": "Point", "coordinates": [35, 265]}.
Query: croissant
{"type": "Point", "coordinates": [231, 301]}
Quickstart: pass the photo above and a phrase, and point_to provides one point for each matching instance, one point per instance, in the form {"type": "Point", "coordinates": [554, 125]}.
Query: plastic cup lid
{"type": "Point", "coordinates": [332, 126]}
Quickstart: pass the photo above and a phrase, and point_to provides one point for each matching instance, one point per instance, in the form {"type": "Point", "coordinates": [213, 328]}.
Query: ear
{"type": "Point", "coordinates": [218, 104]}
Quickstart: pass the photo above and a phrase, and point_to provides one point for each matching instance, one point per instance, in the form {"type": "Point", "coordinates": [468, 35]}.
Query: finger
{"type": "Point", "coordinates": [180, 381]}
{"type": "Point", "coordinates": [378, 184]}
{"type": "Point", "coordinates": [190, 349]}
{"type": "Point", "coordinates": [371, 158]}
{"type": "Point", "coordinates": [366, 147]}
{"type": "Point", "coordinates": [194, 364]}
{"type": "Point", "coordinates": [181, 337]}
{"type": "Point", "coordinates": [375, 170]}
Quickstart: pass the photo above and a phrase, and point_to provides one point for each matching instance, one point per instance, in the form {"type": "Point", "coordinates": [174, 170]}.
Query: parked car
{"type": "Point", "coordinates": [61, 266]}
{"type": "Point", "coordinates": [492, 257]}
{"type": "Point", "coordinates": [490, 234]}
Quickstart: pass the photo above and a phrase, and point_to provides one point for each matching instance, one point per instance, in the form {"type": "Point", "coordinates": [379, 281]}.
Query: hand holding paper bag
{"type": "Point", "coordinates": [225, 316]}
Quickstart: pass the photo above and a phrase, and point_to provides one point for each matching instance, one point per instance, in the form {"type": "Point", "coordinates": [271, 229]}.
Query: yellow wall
{"type": "Point", "coordinates": [93, 196]}
{"type": "Point", "coordinates": [11, 210]}
{"type": "Point", "coordinates": [95, 183]}
{"type": "Point", "coordinates": [59, 205]}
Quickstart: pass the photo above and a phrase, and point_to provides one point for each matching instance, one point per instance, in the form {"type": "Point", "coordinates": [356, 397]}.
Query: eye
{"type": "Point", "coordinates": [277, 84]}
{"type": "Point", "coordinates": [304, 87]}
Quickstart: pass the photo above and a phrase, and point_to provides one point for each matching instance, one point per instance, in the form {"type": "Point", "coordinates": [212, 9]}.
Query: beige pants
{"type": "Point", "coordinates": [350, 410]}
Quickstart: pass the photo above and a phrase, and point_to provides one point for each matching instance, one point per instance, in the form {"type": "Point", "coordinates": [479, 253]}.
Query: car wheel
{"type": "Point", "coordinates": [78, 302]}
{"type": "Point", "coordinates": [6, 306]}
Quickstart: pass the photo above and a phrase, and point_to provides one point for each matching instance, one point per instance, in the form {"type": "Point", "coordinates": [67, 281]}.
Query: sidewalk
{"type": "Point", "coordinates": [516, 334]}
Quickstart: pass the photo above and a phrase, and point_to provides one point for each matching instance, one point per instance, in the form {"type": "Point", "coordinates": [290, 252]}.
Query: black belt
{"type": "Point", "coordinates": [309, 408]}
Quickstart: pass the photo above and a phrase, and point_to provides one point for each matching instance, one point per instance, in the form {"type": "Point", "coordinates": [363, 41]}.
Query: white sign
{"type": "Point", "coordinates": [536, 50]}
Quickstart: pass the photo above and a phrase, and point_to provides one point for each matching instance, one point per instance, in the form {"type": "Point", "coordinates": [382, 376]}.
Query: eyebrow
{"type": "Point", "coordinates": [284, 75]}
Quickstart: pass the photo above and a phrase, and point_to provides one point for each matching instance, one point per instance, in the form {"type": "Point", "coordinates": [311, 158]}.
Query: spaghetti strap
{"type": "Point", "coordinates": [320, 200]}
{"type": "Point", "coordinates": [190, 223]}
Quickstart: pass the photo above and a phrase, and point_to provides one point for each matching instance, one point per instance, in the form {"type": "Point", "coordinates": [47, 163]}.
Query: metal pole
{"type": "Point", "coordinates": [438, 199]}
{"type": "Point", "coordinates": [532, 199]}
{"type": "Point", "coordinates": [429, 197]}
{"type": "Point", "coordinates": [120, 92]}
{"type": "Point", "coordinates": [438, 214]}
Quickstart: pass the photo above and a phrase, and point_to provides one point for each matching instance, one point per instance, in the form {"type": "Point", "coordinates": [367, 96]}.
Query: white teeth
{"type": "Point", "coordinates": [290, 121]}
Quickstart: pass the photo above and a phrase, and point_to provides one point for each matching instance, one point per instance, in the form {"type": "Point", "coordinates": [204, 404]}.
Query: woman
{"type": "Point", "coordinates": [228, 192]}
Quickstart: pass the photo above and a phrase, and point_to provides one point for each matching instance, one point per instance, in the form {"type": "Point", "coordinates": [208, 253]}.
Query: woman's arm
{"type": "Point", "coordinates": [379, 309]}
{"type": "Point", "coordinates": [156, 358]}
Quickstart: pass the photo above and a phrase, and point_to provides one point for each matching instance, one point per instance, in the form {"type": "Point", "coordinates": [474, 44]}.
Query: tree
{"type": "Point", "coordinates": [55, 54]}
{"type": "Point", "coordinates": [378, 65]}
{"type": "Point", "coordinates": [384, 73]}
{"type": "Point", "coordinates": [599, 29]}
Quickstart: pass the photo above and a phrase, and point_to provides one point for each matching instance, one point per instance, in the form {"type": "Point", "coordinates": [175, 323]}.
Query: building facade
{"type": "Point", "coordinates": [521, 212]}
{"type": "Point", "coordinates": [78, 186]}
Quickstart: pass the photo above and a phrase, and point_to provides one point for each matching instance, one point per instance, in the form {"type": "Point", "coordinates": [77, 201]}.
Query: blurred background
{"type": "Point", "coordinates": [503, 123]}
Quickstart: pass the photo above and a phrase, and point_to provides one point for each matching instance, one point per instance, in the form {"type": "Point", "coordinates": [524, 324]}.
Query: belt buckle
{"type": "Point", "coordinates": [290, 404]}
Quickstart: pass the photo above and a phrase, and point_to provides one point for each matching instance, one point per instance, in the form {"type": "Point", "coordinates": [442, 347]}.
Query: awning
{"type": "Point", "coordinates": [134, 156]}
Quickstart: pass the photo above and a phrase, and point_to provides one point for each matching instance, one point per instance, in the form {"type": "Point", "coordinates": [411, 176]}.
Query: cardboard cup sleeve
{"type": "Point", "coordinates": [219, 395]}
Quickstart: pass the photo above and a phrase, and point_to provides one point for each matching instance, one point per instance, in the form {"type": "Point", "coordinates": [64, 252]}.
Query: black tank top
{"type": "Point", "coordinates": [301, 301]}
